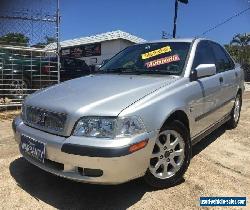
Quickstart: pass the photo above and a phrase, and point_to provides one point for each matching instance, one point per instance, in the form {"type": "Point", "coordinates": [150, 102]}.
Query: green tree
{"type": "Point", "coordinates": [18, 39]}
{"type": "Point", "coordinates": [240, 47]}
{"type": "Point", "coordinates": [241, 40]}
{"type": "Point", "coordinates": [48, 39]}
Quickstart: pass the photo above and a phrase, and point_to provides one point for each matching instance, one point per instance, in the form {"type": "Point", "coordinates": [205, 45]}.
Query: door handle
{"type": "Point", "coordinates": [221, 79]}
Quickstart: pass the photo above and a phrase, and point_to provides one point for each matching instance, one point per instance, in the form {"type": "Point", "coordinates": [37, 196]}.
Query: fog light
{"type": "Point", "coordinates": [93, 172]}
{"type": "Point", "coordinates": [90, 172]}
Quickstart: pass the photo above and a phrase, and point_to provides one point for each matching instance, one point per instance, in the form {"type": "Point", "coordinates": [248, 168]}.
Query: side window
{"type": "Point", "coordinates": [203, 55]}
{"type": "Point", "coordinates": [223, 61]}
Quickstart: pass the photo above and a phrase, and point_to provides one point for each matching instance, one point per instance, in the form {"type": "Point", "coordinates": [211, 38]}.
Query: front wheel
{"type": "Point", "coordinates": [170, 157]}
{"type": "Point", "coordinates": [18, 88]}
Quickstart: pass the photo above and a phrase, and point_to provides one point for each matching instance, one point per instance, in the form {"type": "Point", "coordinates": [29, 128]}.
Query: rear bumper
{"type": "Point", "coordinates": [72, 157]}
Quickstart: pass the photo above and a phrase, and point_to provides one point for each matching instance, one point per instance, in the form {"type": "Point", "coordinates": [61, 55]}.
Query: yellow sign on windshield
{"type": "Point", "coordinates": [156, 52]}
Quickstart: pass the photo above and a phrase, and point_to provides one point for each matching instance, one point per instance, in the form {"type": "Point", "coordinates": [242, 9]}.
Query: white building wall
{"type": "Point", "coordinates": [108, 50]}
{"type": "Point", "coordinates": [125, 43]}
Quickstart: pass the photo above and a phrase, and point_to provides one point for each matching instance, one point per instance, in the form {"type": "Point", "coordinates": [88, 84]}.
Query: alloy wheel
{"type": "Point", "coordinates": [168, 154]}
{"type": "Point", "coordinates": [19, 88]}
{"type": "Point", "coordinates": [237, 109]}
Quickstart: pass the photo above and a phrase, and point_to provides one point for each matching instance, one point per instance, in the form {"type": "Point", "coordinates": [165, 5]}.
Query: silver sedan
{"type": "Point", "coordinates": [137, 117]}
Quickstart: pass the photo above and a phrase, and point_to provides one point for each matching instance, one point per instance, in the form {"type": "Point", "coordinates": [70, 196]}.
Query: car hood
{"type": "Point", "coordinates": [96, 95]}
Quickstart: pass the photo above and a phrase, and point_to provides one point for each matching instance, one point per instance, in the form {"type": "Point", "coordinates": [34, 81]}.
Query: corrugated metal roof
{"type": "Point", "coordinates": [98, 38]}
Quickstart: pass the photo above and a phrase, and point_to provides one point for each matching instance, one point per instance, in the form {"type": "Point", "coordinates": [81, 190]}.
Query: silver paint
{"type": "Point", "coordinates": [151, 97]}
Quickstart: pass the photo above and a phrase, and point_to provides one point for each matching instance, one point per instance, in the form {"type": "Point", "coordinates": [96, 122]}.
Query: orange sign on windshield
{"type": "Point", "coordinates": [162, 61]}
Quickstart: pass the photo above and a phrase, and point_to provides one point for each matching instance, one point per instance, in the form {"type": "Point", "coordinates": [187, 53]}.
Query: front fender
{"type": "Point", "coordinates": [157, 107]}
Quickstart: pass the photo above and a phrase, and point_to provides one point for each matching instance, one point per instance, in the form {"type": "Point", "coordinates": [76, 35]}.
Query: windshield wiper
{"type": "Point", "coordinates": [137, 71]}
{"type": "Point", "coordinates": [160, 72]}
{"type": "Point", "coordinates": [121, 70]}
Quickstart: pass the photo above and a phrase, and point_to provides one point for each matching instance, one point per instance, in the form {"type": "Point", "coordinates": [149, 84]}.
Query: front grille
{"type": "Point", "coordinates": [45, 120]}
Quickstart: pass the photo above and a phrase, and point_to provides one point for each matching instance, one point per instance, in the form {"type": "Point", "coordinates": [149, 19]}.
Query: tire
{"type": "Point", "coordinates": [169, 173]}
{"type": "Point", "coordinates": [18, 85]}
{"type": "Point", "coordinates": [235, 113]}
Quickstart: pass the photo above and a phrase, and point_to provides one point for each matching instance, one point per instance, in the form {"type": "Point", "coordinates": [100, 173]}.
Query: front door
{"type": "Point", "coordinates": [211, 90]}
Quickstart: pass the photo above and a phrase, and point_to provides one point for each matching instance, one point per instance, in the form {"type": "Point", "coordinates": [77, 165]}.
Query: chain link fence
{"type": "Point", "coordinates": [27, 28]}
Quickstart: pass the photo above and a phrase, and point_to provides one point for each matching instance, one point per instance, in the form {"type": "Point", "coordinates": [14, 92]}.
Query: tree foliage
{"type": "Point", "coordinates": [241, 40]}
{"type": "Point", "coordinates": [18, 39]}
{"type": "Point", "coordinates": [239, 48]}
{"type": "Point", "coordinates": [48, 40]}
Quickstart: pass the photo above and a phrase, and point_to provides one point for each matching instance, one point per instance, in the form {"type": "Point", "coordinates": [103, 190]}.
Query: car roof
{"type": "Point", "coordinates": [175, 40]}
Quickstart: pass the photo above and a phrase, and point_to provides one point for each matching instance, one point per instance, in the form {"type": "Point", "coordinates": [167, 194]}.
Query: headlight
{"type": "Point", "coordinates": [108, 127]}
{"type": "Point", "coordinates": [95, 127]}
{"type": "Point", "coordinates": [129, 126]}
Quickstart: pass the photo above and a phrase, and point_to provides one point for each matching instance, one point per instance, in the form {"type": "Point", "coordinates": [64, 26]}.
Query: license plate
{"type": "Point", "coordinates": [33, 148]}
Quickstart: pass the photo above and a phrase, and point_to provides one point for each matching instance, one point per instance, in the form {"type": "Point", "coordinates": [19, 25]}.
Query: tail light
{"type": "Point", "coordinates": [45, 69]}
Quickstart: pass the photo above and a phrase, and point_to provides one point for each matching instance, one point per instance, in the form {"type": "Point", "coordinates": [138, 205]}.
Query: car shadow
{"type": "Point", "coordinates": [205, 142]}
{"type": "Point", "coordinates": [65, 194]}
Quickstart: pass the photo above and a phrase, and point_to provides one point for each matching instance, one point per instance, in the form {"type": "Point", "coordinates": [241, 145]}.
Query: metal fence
{"type": "Point", "coordinates": [27, 28]}
{"type": "Point", "coordinates": [24, 70]}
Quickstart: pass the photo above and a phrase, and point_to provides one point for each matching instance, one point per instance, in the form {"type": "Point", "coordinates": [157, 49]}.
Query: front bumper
{"type": "Point", "coordinates": [68, 157]}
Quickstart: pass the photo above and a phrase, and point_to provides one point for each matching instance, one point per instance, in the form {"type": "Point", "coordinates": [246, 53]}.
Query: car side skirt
{"type": "Point", "coordinates": [212, 128]}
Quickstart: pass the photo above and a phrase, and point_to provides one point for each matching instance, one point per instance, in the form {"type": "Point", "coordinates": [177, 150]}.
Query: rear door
{"type": "Point", "coordinates": [228, 78]}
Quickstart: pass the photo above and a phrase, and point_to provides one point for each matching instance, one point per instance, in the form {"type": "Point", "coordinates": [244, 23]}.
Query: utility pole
{"type": "Point", "coordinates": [58, 47]}
{"type": "Point", "coordinates": [176, 14]}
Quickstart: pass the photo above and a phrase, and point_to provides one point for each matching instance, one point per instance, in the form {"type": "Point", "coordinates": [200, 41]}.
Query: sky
{"type": "Point", "coordinates": [148, 18]}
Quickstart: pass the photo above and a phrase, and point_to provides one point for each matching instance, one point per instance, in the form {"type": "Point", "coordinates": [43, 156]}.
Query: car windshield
{"type": "Point", "coordinates": [150, 58]}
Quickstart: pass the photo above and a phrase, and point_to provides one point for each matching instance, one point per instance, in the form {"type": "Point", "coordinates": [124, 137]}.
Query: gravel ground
{"type": "Point", "coordinates": [220, 167]}
{"type": "Point", "coordinates": [247, 86]}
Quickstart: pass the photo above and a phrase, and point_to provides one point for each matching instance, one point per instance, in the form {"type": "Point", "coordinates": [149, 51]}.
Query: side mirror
{"type": "Point", "coordinates": [203, 70]}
